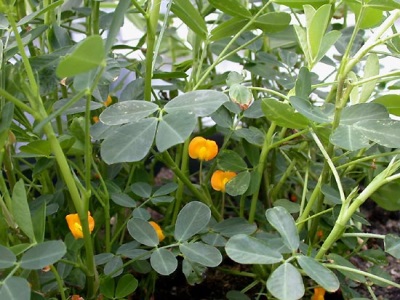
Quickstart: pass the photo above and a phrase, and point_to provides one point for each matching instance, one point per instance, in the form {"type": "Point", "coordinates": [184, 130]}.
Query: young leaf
{"type": "Point", "coordinates": [284, 223]}
{"type": "Point", "coordinates": [142, 232]}
{"type": "Point", "coordinates": [285, 283]}
{"type": "Point", "coordinates": [107, 287]}
{"type": "Point", "coordinates": [371, 69]}
{"type": "Point", "coordinates": [244, 249]}
{"type": "Point", "coordinates": [42, 255]}
{"type": "Point", "coordinates": [87, 55]}
{"type": "Point", "coordinates": [163, 261]}
{"type": "Point", "coordinates": [174, 128]}
{"type": "Point", "coordinates": [21, 212]}
{"type": "Point", "coordinates": [320, 274]}
{"type": "Point", "coordinates": [201, 253]}
{"type": "Point", "coordinates": [116, 23]}
{"type": "Point", "coordinates": [317, 28]}
{"type": "Point", "coordinates": [193, 218]}
{"type": "Point", "coordinates": [142, 189]}
{"type": "Point", "coordinates": [299, 3]}
{"type": "Point", "coordinates": [130, 142]}
{"type": "Point", "coordinates": [229, 160]}
{"type": "Point", "coordinates": [391, 102]}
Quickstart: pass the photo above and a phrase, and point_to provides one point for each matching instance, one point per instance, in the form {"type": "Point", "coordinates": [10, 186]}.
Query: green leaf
{"type": "Point", "coordinates": [392, 245]}
{"type": "Point", "coordinates": [349, 138]}
{"type": "Point", "coordinates": [253, 135]}
{"type": "Point", "coordinates": [232, 7]}
{"type": "Point", "coordinates": [363, 111]}
{"type": "Point", "coordinates": [386, 196]}
{"type": "Point", "coordinates": [320, 274]}
{"type": "Point", "coordinates": [131, 250]}
{"type": "Point", "coordinates": [21, 212]}
{"type": "Point", "coordinates": [303, 83]}
{"type": "Point", "coordinates": [201, 102]}
{"type": "Point", "coordinates": [39, 219]}
{"type": "Point", "coordinates": [316, 29]}
{"type": "Point", "coordinates": [122, 199]}
{"type": "Point", "coordinates": [283, 114]}
{"type": "Point", "coordinates": [290, 206]}
{"type": "Point", "coordinates": [370, 17]}
{"type": "Point", "coordinates": [284, 223]}
{"type": "Point", "coordinates": [301, 34]}
{"type": "Point", "coordinates": [229, 160]}
{"type": "Point", "coordinates": [130, 142]}
{"type": "Point", "coordinates": [189, 15]}
{"type": "Point", "coordinates": [299, 3]}
{"type": "Point", "coordinates": [42, 255]}
{"type": "Point", "coordinates": [39, 147]}
{"type": "Point", "coordinates": [371, 69]}
{"type": "Point", "coordinates": [236, 295]}
{"type": "Point", "coordinates": [244, 249]}
{"type": "Point", "coordinates": [127, 112]}
{"type": "Point", "coordinates": [382, 132]}
{"type": "Point", "coordinates": [201, 253]}
{"type": "Point", "coordinates": [235, 225]}
{"type": "Point", "coordinates": [285, 283]}
{"type": "Point", "coordinates": [15, 288]}
{"type": "Point", "coordinates": [322, 114]}
{"type": "Point", "coordinates": [328, 41]}
{"type": "Point", "coordinates": [7, 258]}
{"type": "Point", "coordinates": [192, 219]}
{"type": "Point", "coordinates": [213, 239]}
{"type": "Point", "coordinates": [228, 28]}
{"type": "Point", "coordinates": [239, 184]}
{"type": "Point", "coordinates": [174, 128]}
{"type": "Point", "coordinates": [273, 21]}
{"type": "Point", "coordinates": [391, 102]}
{"type": "Point", "coordinates": [126, 285]}
{"type": "Point", "coordinates": [142, 189]}
{"type": "Point", "coordinates": [240, 95]}
{"type": "Point", "coordinates": [384, 4]}
{"type": "Point", "coordinates": [163, 261]}
{"type": "Point", "coordinates": [107, 287]}
{"type": "Point", "coordinates": [338, 260]}
{"type": "Point", "coordinates": [165, 189]}
{"type": "Point", "coordinates": [142, 232]}
{"type": "Point", "coordinates": [87, 55]}
{"type": "Point", "coordinates": [116, 24]}
{"type": "Point", "coordinates": [39, 12]}
{"type": "Point", "coordinates": [114, 267]}
{"type": "Point", "coordinates": [376, 256]}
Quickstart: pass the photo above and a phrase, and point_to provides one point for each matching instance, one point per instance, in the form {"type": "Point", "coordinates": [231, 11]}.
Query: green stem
{"type": "Point", "coordinates": [152, 15]}
{"type": "Point", "coordinates": [59, 281]}
{"type": "Point", "coordinates": [260, 170]}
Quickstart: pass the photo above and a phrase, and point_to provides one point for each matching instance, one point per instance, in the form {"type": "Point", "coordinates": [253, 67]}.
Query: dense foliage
{"type": "Point", "coordinates": [222, 134]}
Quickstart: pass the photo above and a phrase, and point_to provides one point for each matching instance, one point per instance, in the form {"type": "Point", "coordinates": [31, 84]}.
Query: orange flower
{"type": "Point", "coordinates": [76, 297]}
{"type": "Point", "coordinates": [202, 149]}
{"type": "Point", "coordinates": [74, 224]}
{"type": "Point", "coordinates": [95, 119]}
{"type": "Point", "coordinates": [220, 178]}
{"type": "Point", "coordinates": [319, 294]}
{"type": "Point", "coordinates": [108, 102]}
{"type": "Point", "coordinates": [158, 230]}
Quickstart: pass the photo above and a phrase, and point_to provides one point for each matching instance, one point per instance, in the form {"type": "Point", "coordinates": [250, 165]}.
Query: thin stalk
{"type": "Point", "coordinates": [167, 159]}
{"type": "Point", "coordinates": [233, 40]}
{"type": "Point", "coordinates": [152, 15]}
{"type": "Point", "coordinates": [365, 235]}
{"type": "Point", "coordinates": [59, 281]}
{"type": "Point", "coordinates": [260, 170]}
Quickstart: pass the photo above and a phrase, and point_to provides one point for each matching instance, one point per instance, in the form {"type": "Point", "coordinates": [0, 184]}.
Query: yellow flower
{"type": "Point", "coordinates": [108, 102]}
{"type": "Point", "coordinates": [74, 224]}
{"type": "Point", "coordinates": [220, 178]}
{"type": "Point", "coordinates": [95, 119]}
{"type": "Point", "coordinates": [319, 294]}
{"type": "Point", "coordinates": [202, 149]}
{"type": "Point", "coordinates": [158, 230]}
